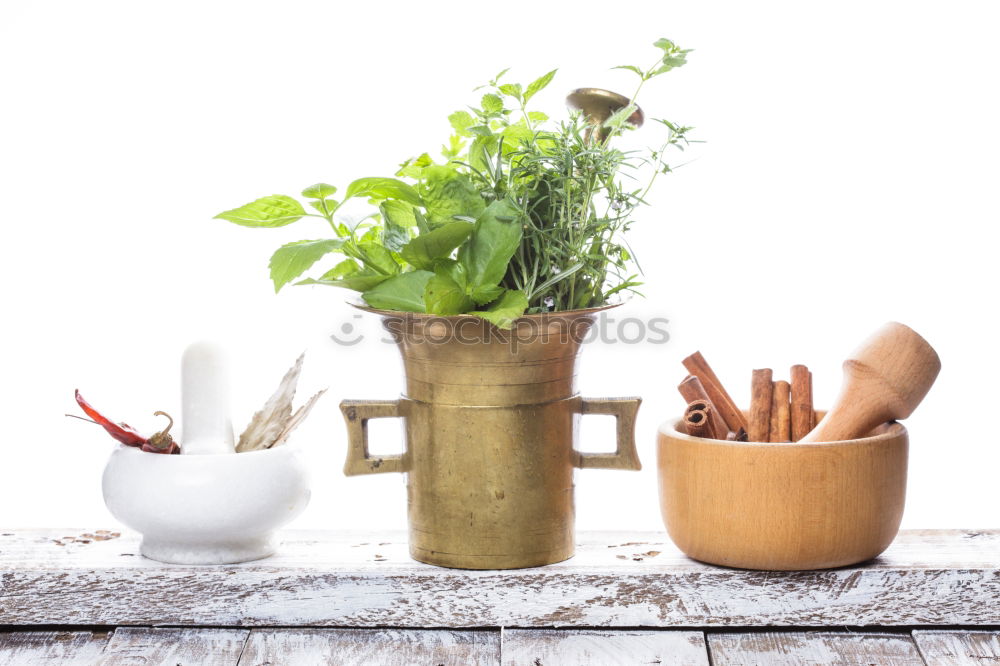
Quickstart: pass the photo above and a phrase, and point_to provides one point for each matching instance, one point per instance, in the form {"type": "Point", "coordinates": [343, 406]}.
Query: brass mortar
{"type": "Point", "coordinates": [491, 418]}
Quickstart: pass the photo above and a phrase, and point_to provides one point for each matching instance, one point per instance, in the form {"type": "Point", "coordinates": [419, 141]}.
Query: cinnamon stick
{"type": "Point", "coordinates": [781, 424]}
{"type": "Point", "coordinates": [727, 409]}
{"type": "Point", "coordinates": [705, 422]}
{"type": "Point", "coordinates": [761, 391]}
{"type": "Point", "coordinates": [693, 390]}
{"type": "Point", "coordinates": [696, 423]}
{"type": "Point", "coordinates": [803, 414]}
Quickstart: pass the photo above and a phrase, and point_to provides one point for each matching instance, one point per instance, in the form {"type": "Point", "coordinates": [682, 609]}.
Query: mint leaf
{"type": "Point", "coordinates": [447, 193]}
{"type": "Point", "coordinates": [505, 310]}
{"type": "Point", "coordinates": [492, 103]}
{"type": "Point", "coordinates": [383, 188]}
{"type": "Point", "coordinates": [538, 84]}
{"type": "Point", "coordinates": [619, 117]}
{"type": "Point", "coordinates": [494, 240]}
{"type": "Point", "coordinates": [425, 249]}
{"type": "Point", "coordinates": [512, 89]}
{"type": "Point", "coordinates": [444, 296]}
{"type": "Point", "coordinates": [461, 121]}
{"type": "Point", "coordinates": [631, 68]}
{"type": "Point", "coordinates": [454, 147]}
{"type": "Point", "coordinates": [514, 136]}
{"type": "Point", "coordinates": [414, 167]}
{"type": "Point", "coordinates": [401, 292]}
{"type": "Point", "coordinates": [293, 259]}
{"type": "Point", "coordinates": [276, 210]}
{"type": "Point", "coordinates": [319, 191]}
{"type": "Point", "coordinates": [324, 206]}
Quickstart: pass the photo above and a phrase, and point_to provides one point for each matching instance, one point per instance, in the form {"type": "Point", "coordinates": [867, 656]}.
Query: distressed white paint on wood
{"type": "Point", "coordinates": [66, 648]}
{"type": "Point", "coordinates": [959, 648]}
{"type": "Point", "coordinates": [600, 647]}
{"type": "Point", "coordinates": [946, 577]}
{"type": "Point", "coordinates": [813, 649]}
{"type": "Point", "coordinates": [141, 646]}
{"type": "Point", "coordinates": [371, 647]}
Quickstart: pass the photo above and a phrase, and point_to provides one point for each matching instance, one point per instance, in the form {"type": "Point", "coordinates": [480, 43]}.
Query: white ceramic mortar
{"type": "Point", "coordinates": [206, 509]}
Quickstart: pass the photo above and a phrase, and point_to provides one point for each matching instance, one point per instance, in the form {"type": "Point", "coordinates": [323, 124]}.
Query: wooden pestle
{"type": "Point", "coordinates": [884, 380]}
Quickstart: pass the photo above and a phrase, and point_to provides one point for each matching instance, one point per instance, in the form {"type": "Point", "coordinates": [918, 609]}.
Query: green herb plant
{"type": "Point", "coordinates": [521, 215]}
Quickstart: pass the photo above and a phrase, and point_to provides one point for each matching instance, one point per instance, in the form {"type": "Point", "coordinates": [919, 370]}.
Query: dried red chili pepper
{"type": "Point", "coordinates": [162, 442]}
{"type": "Point", "coordinates": [123, 432]}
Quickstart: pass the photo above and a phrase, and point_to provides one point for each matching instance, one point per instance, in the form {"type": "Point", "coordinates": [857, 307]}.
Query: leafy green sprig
{"type": "Point", "coordinates": [520, 217]}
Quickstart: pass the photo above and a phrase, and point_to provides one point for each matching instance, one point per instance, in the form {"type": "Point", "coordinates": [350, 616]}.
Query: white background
{"type": "Point", "coordinates": [849, 177]}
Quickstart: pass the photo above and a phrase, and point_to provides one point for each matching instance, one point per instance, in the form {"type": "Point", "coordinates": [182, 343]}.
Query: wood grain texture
{"type": "Point", "coordinates": [66, 648]}
{"type": "Point", "coordinates": [958, 648]}
{"type": "Point", "coordinates": [371, 647]}
{"type": "Point", "coordinates": [142, 646]}
{"type": "Point", "coordinates": [595, 647]}
{"type": "Point", "coordinates": [782, 506]}
{"type": "Point", "coordinates": [813, 649]}
{"type": "Point", "coordinates": [617, 579]}
{"type": "Point", "coordinates": [885, 379]}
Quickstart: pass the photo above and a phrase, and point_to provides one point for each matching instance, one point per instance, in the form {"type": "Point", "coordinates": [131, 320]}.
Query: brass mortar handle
{"type": "Point", "coordinates": [356, 414]}
{"type": "Point", "coordinates": [625, 455]}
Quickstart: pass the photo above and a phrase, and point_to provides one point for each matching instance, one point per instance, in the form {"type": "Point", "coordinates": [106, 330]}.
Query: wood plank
{"type": "Point", "coordinates": [617, 579]}
{"type": "Point", "coordinates": [813, 648]}
{"type": "Point", "coordinates": [66, 648]}
{"type": "Point", "coordinates": [596, 647]}
{"type": "Point", "coordinates": [372, 647]}
{"type": "Point", "coordinates": [143, 646]}
{"type": "Point", "coordinates": [958, 648]}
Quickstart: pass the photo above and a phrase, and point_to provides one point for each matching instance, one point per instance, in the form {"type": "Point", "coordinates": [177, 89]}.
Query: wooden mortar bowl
{"type": "Point", "coordinates": [782, 506]}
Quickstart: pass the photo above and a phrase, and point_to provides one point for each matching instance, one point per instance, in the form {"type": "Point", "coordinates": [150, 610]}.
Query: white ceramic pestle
{"type": "Point", "coordinates": [205, 419]}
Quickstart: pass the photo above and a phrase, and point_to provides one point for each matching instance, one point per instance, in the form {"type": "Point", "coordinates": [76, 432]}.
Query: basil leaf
{"type": "Point", "coordinates": [276, 210]}
{"type": "Point", "coordinates": [293, 259]}
{"type": "Point", "coordinates": [348, 275]}
{"type": "Point", "coordinates": [319, 191]}
{"type": "Point", "coordinates": [493, 242]}
{"type": "Point", "coordinates": [401, 292]}
{"type": "Point", "coordinates": [505, 310]}
{"type": "Point", "coordinates": [378, 257]}
{"type": "Point", "coordinates": [422, 251]}
{"type": "Point", "coordinates": [344, 268]}
{"type": "Point", "coordinates": [423, 226]}
{"type": "Point", "coordinates": [382, 188]}
{"type": "Point", "coordinates": [398, 219]}
{"type": "Point", "coordinates": [444, 296]}
{"type": "Point", "coordinates": [486, 293]}
{"type": "Point", "coordinates": [447, 193]}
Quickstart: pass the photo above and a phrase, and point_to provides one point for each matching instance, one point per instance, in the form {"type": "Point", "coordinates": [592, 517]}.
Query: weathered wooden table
{"type": "Point", "coordinates": [75, 597]}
